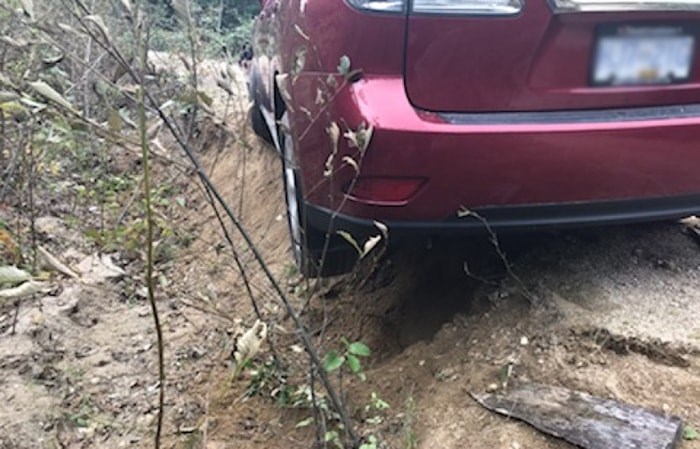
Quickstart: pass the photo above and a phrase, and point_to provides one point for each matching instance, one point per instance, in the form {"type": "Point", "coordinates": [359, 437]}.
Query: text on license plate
{"type": "Point", "coordinates": [640, 59]}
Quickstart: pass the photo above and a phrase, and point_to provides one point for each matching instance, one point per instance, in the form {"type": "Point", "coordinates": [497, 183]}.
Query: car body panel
{"type": "Point", "coordinates": [506, 150]}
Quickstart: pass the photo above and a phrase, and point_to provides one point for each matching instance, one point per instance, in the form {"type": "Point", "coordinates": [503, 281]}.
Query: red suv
{"type": "Point", "coordinates": [531, 113]}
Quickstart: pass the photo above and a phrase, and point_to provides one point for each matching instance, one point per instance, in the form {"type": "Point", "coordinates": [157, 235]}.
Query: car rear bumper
{"type": "Point", "coordinates": [518, 218]}
{"type": "Point", "coordinates": [516, 169]}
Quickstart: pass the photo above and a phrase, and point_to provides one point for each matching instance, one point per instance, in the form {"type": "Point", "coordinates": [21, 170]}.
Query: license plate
{"type": "Point", "coordinates": [651, 55]}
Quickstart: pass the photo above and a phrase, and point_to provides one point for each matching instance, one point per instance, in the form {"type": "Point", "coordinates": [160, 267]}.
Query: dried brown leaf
{"type": "Point", "coordinates": [16, 43]}
{"type": "Point", "coordinates": [22, 291]}
{"type": "Point", "coordinates": [50, 94]}
{"type": "Point", "coordinates": [97, 20]}
{"type": "Point", "coordinates": [182, 11]}
{"type": "Point", "coordinates": [11, 275]}
{"type": "Point", "coordinates": [28, 8]}
{"type": "Point", "coordinates": [128, 7]}
{"type": "Point", "coordinates": [370, 244]}
{"type": "Point", "coordinates": [249, 343]}
{"type": "Point", "coordinates": [7, 96]}
{"type": "Point", "coordinates": [351, 162]}
{"type": "Point", "coordinates": [56, 264]}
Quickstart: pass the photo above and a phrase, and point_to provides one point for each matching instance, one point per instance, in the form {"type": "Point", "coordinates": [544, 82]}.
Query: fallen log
{"type": "Point", "coordinates": [585, 420]}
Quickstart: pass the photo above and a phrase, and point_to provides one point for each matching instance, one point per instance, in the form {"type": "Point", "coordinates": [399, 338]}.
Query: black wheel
{"type": "Point", "coordinates": [312, 256]}
{"type": "Point", "coordinates": [257, 122]}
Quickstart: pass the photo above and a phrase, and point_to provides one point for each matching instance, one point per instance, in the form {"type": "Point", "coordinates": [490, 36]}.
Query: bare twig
{"type": "Point", "coordinates": [493, 238]}
{"type": "Point", "coordinates": [236, 257]}
{"type": "Point", "coordinates": [149, 235]}
{"type": "Point", "coordinates": [302, 332]}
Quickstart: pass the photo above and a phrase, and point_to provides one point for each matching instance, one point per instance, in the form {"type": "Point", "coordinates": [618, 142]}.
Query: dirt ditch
{"type": "Point", "coordinates": [438, 334]}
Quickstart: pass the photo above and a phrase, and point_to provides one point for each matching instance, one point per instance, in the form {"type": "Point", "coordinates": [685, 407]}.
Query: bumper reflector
{"type": "Point", "coordinates": [384, 190]}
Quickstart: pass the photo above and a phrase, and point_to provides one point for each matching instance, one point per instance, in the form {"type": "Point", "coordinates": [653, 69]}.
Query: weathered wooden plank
{"type": "Point", "coordinates": [585, 420]}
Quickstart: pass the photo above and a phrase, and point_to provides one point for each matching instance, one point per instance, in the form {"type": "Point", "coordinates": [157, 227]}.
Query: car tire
{"type": "Point", "coordinates": [257, 122]}
{"type": "Point", "coordinates": [309, 243]}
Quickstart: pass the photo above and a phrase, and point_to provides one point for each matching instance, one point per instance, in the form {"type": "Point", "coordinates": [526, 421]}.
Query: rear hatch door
{"type": "Point", "coordinates": [539, 55]}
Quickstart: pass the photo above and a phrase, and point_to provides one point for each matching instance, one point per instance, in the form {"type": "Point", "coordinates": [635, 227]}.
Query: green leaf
{"type": "Point", "coordinates": [331, 435]}
{"type": "Point", "coordinates": [114, 121]}
{"type": "Point", "coordinates": [204, 98]}
{"type": "Point", "coordinates": [358, 348]}
{"type": "Point", "coordinates": [371, 443]}
{"type": "Point", "coordinates": [354, 364]}
{"type": "Point", "coordinates": [690, 434]}
{"type": "Point", "coordinates": [344, 65]}
{"type": "Point", "coordinates": [332, 361]}
{"type": "Point", "coordinates": [304, 422]}
{"type": "Point", "coordinates": [379, 403]}
{"type": "Point", "coordinates": [505, 373]}
{"type": "Point", "coordinates": [80, 421]}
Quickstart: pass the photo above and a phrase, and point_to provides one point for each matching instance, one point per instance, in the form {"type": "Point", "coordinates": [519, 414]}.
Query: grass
{"type": "Point", "coordinates": [410, 439]}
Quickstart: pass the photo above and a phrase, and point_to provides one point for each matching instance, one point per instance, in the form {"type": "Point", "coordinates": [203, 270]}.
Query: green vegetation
{"type": "Point", "coordinates": [221, 24]}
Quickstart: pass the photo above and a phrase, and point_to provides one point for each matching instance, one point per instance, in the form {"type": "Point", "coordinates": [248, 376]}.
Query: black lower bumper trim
{"type": "Point", "coordinates": [521, 218]}
{"type": "Point", "coordinates": [576, 116]}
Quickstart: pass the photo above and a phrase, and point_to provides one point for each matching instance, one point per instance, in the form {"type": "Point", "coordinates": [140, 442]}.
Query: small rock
{"type": "Point", "coordinates": [524, 341]}
{"type": "Point", "coordinates": [101, 362]}
{"type": "Point", "coordinates": [197, 352]}
{"type": "Point", "coordinates": [445, 374]}
{"type": "Point", "coordinates": [187, 429]}
{"type": "Point", "coordinates": [97, 269]}
{"type": "Point", "coordinates": [142, 293]}
{"type": "Point", "coordinates": [492, 387]}
{"type": "Point", "coordinates": [144, 420]}
{"type": "Point", "coordinates": [248, 424]}
{"type": "Point", "coordinates": [83, 352]}
{"type": "Point", "coordinates": [667, 409]}
{"type": "Point", "coordinates": [87, 433]}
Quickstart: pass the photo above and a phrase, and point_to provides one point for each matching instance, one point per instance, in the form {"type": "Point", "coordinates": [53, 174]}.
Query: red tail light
{"type": "Point", "coordinates": [379, 5]}
{"type": "Point", "coordinates": [475, 7]}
